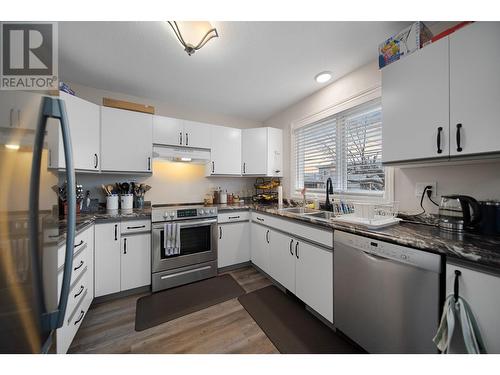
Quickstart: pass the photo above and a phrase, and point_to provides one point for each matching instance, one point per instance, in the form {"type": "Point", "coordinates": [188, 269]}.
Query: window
{"type": "Point", "coordinates": [347, 147]}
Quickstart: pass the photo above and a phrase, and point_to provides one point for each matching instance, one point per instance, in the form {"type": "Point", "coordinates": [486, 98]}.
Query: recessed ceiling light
{"type": "Point", "coordinates": [186, 159]}
{"type": "Point", "coordinates": [323, 77]}
{"type": "Point", "coordinates": [12, 147]}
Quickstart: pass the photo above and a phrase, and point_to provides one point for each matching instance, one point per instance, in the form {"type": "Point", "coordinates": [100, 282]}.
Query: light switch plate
{"type": "Point", "coordinates": [420, 186]}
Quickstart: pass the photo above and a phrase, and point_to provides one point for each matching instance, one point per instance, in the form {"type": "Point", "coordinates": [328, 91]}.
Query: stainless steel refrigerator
{"type": "Point", "coordinates": [29, 225]}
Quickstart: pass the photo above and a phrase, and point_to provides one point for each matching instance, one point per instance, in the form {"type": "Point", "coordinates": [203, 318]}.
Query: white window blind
{"type": "Point", "coordinates": [346, 147]}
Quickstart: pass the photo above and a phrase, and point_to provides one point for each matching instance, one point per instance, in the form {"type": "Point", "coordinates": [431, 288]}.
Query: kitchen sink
{"type": "Point", "coordinates": [300, 210]}
{"type": "Point", "coordinates": [326, 215]}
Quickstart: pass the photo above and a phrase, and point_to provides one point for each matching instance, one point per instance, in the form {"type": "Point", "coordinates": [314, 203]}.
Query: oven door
{"type": "Point", "coordinates": [198, 244]}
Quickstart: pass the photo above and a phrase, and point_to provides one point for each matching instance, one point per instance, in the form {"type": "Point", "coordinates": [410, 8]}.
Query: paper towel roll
{"type": "Point", "coordinates": [280, 196]}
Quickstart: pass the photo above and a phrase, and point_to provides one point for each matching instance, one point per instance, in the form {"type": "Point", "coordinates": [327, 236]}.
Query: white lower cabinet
{"type": "Point", "coordinates": [233, 244]}
{"type": "Point", "coordinates": [135, 265]}
{"type": "Point", "coordinates": [107, 258]}
{"type": "Point", "coordinates": [260, 246]}
{"type": "Point", "coordinates": [282, 259]}
{"type": "Point", "coordinates": [481, 291]}
{"type": "Point", "coordinates": [302, 267]}
{"type": "Point", "coordinates": [81, 287]}
{"type": "Point", "coordinates": [122, 260]}
{"type": "Point", "coordinates": [314, 278]}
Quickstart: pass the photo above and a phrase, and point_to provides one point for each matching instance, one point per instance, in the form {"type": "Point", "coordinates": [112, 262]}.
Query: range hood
{"type": "Point", "coordinates": [184, 154]}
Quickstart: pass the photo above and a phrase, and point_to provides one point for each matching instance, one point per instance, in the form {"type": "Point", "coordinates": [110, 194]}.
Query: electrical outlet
{"type": "Point", "coordinates": [420, 186]}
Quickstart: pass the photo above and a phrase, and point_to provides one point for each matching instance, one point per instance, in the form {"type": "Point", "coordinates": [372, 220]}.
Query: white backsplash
{"type": "Point", "coordinates": [171, 183]}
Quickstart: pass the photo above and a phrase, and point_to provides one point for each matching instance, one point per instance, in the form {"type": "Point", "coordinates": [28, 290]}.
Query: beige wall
{"type": "Point", "coordinates": [365, 78]}
{"type": "Point", "coordinates": [171, 183]}
{"type": "Point", "coordinates": [480, 180]}
{"type": "Point", "coordinates": [163, 108]}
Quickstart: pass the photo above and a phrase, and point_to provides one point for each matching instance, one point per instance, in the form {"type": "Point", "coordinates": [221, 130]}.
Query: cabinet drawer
{"type": "Point", "coordinates": [228, 217]}
{"type": "Point", "coordinates": [83, 241]}
{"type": "Point", "coordinates": [309, 233]}
{"type": "Point", "coordinates": [135, 226]}
{"type": "Point", "coordinates": [72, 322]}
{"type": "Point", "coordinates": [80, 265]}
{"type": "Point", "coordinates": [79, 289]}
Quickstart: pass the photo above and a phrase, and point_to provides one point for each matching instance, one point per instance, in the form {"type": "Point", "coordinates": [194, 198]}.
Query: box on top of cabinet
{"type": "Point", "coordinates": [403, 43]}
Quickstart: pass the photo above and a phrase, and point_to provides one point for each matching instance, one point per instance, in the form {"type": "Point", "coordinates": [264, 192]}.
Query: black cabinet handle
{"type": "Point", "coordinates": [291, 251]}
{"type": "Point", "coordinates": [180, 138]}
{"type": "Point", "coordinates": [149, 163]}
{"type": "Point", "coordinates": [440, 129]}
{"type": "Point", "coordinates": [82, 313]}
{"type": "Point", "coordinates": [137, 227]}
{"type": "Point", "coordinates": [124, 246]}
{"type": "Point", "coordinates": [79, 266]}
{"type": "Point", "coordinates": [82, 288]}
{"type": "Point", "coordinates": [213, 167]}
{"type": "Point", "coordinates": [116, 232]}
{"type": "Point", "coordinates": [267, 236]}
{"type": "Point", "coordinates": [220, 233]}
{"type": "Point", "coordinates": [459, 148]}
{"type": "Point", "coordinates": [187, 140]}
{"type": "Point", "coordinates": [297, 250]}
{"type": "Point", "coordinates": [260, 219]}
{"type": "Point", "coordinates": [96, 159]}
{"type": "Point", "coordinates": [234, 217]}
{"type": "Point", "coordinates": [244, 167]}
{"type": "Point", "coordinates": [79, 244]}
{"type": "Point", "coordinates": [455, 285]}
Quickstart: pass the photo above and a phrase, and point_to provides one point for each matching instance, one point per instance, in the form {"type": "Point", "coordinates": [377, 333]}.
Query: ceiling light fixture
{"type": "Point", "coordinates": [12, 147]}
{"type": "Point", "coordinates": [186, 159]}
{"type": "Point", "coordinates": [323, 77]}
{"type": "Point", "coordinates": [193, 35]}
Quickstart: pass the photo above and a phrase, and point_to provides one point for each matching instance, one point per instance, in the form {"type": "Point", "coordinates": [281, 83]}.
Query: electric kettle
{"type": "Point", "coordinates": [459, 213]}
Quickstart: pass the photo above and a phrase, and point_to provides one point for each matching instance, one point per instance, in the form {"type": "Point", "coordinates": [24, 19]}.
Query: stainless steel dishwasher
{"type": "Point", "coordinates": [386, 296]}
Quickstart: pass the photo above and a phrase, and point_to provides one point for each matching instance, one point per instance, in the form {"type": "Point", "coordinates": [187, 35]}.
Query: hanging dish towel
{"type": "Point", "coordinates": [457, 311]}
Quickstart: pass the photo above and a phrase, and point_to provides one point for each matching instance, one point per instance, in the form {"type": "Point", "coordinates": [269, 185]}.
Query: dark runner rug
{"type": "Point", "coordinates": [170, 304]}
{"type": "Point", "coordinates": [290, 327]}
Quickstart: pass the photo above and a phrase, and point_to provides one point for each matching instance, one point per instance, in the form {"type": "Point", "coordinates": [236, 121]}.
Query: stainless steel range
{"type": "Point", "coordinates": [184, 244]}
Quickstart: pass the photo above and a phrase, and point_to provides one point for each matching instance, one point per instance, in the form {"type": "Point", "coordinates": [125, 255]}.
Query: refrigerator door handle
{"type": "Point", "coordinates": [52, 108]}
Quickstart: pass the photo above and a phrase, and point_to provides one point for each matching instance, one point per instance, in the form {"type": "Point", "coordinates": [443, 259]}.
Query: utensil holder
{"type": "Point", "coordinates": [112, 202]}
{"type": "Point", "coordinates": [139, 202]}
{"type": "Point", "coordinates": [126, 201]}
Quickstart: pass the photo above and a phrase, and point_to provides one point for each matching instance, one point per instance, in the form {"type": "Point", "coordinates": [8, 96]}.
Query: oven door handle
{"type": "Point", "coordinates": [196, 223]}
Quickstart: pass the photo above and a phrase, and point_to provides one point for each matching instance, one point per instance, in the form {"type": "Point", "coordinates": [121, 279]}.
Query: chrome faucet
{"type": "Point", "coordinates": [329, 190]}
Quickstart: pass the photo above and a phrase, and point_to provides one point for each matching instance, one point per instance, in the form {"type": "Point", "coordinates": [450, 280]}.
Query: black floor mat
{"type": "Point", "coordinates": [290, 327]}
{"type": "Point", "coordinates": [173, 303]}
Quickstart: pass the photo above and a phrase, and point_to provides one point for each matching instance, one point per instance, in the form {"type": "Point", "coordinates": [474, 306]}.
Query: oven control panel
{"type": "Point", "coordinates": [182, 213]}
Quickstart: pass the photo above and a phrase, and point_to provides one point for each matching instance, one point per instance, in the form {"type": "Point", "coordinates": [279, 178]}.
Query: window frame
{"type": "Point", "coordinates": [350, 103]}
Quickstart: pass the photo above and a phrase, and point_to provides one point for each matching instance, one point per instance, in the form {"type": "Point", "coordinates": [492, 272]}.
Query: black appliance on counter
{"type": "Point", "coordinates": [490, 217]}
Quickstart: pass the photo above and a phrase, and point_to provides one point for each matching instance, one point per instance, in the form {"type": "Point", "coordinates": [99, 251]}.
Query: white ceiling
{"type": "Point", "coordinates": [252, 71]}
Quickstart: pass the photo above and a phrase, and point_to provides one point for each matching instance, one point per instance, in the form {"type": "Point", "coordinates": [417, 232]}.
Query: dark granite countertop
{"type": "Point", "coordinates": [473, 249]}
{"type": "Point", "coordinates": [83, 220]}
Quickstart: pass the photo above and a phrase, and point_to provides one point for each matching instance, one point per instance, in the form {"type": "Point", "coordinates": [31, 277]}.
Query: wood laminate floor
{"type": "Point", "coordinates": [224, 328]}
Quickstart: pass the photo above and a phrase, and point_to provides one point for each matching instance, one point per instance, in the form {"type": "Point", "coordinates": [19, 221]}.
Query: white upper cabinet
{"type": "Point", "coordinates": [225, 151]}
{"type": "Point", "coordinates": [168, 131]}
{"type": "Point", "coordinates": [126, 140]}
{"type": "Point", "coordinates": [177, 132]}
{"type": "Point", "coordinates": [84, 125]}
{"type": "Point", "coordinates": [19, 109]}
{"type": "Point", "coordinates": [475, 89]}
{"type": "Point", "coordinates": [196, 134]}
{"type": "Point", "coordinates": [262, 152]}
{"type": "Point", "coordinates": [415, 105]}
